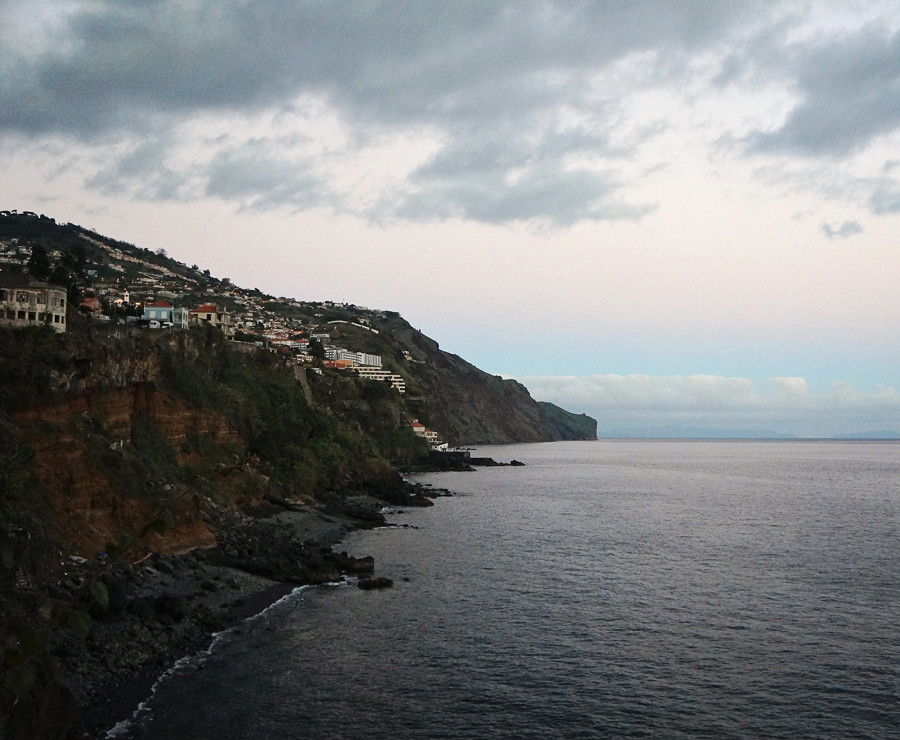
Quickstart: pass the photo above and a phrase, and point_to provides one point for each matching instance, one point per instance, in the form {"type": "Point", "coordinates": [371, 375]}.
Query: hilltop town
{"type": "Point", "coordinates": [44, 264]}
{"type": "Point", "coordinates": [53, 274]}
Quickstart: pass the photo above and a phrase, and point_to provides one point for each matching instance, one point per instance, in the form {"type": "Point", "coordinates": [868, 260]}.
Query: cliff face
{"type": "Point", "coordinates": [110, 446]}
{"type": "Point", "coordinates": [121, 426]}
{"type": "Point", "coordinates": [96, 487]}
{"type": "Point", "coordinates": [469, 406]}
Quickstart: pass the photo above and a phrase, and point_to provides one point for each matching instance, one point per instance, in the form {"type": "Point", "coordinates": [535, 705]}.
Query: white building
{"type": "Point", "coordinates": [373, 373]}
{"type": "Point", "coordinates": [165, 312]}
{"type": "Point", "coordinates": [433, 438]}
{"type": "Point", "coordinates": [28, 302]}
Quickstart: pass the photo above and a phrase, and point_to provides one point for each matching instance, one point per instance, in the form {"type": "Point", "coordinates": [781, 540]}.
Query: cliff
{"type": "Point", "coordinates": [117, 444]}
{"type": "Point", "coordinates": [123, 448]}
{"type": "Point", "coordinates": [463, 404]}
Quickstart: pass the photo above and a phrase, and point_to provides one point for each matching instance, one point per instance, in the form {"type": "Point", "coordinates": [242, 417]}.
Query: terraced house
{"type": "Point", "coordinates": [25, 301]}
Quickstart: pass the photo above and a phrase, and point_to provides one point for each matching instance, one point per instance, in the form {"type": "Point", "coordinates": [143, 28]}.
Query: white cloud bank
{"type": "Point", "coordinates": [709, 405]}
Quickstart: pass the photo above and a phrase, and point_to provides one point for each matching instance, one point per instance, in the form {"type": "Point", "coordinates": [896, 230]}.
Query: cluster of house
{"type": "Point", "coordinates": [25, 301]}
{"type": "Point", "coordinates": [154, 290]}
{"type": "Point", "coordinates": [160, 314]}
{"type": "Point", "coordinates": [28, 302]}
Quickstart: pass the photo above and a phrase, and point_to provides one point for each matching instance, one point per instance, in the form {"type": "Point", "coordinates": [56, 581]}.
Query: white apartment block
{"type": "Point", "coordinates": [357, 358]}
{"type": "Point", "coordinates": [376, 373]}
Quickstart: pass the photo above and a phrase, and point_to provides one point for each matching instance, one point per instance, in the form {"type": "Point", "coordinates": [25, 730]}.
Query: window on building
{"type": "Point", "coordinates": [21, 296]}
{"type": "Point", "coordinates": [20, 315]}
{"type": "Point", "coordinates": [32, 316]}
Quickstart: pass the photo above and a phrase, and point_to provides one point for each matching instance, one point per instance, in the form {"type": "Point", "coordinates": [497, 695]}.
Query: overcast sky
{"type": "Point", "coordinates": [665, 214]}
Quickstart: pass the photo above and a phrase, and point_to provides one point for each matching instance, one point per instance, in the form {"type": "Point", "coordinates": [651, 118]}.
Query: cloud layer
{"type": "Point", "coordinates": [503, 111]}
{"type": "Point", "coordinates": [639, 405]}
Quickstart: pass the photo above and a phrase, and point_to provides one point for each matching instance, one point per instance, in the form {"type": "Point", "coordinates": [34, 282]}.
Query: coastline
{"type": "Point", "coordinates": [166, 609]}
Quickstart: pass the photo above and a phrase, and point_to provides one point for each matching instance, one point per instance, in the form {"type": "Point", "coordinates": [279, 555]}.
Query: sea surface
{"type": "Point", "coordinates": [617, 588]}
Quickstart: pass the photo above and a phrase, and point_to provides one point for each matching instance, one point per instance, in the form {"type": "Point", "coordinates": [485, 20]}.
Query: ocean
{"type": "Point", "coordinates": [612, 588]}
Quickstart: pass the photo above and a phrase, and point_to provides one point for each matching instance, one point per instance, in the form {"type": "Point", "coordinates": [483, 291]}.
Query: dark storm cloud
{"type": "Point", "coordinates": [849, 93]}
{"type": "Point", "coordinates": [256, 177]}
{"type": "Point", "coordinates": [141, 173]}
{"type": "Point", "coordinates": [555, 196]}
{"type": "Point", "coordinates": [488, 80]}
{"type": "Point", "coordinates": [886, 200]}
{"type": "Point", "coordinates": [418, 60]}
{"type": "Point", "coordinates": [503, 176]}
{"type": "Point", "coordinates": [886, 196]}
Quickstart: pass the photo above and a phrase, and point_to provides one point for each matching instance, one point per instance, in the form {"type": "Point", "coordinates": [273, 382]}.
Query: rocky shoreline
{"type": "Point", "coordinates": [163, 608]}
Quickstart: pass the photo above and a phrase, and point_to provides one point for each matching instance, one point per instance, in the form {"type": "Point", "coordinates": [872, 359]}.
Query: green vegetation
{"type": "Point", "coordinates": [300, 448]}
{"type": "Point", "coordinates": [29, 359]}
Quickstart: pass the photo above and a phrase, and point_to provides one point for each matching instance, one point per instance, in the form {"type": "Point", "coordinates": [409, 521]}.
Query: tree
{"type": "Point", "coordinates": [75, 258]}
{"type": "Point", "coordinates": [39, 263]}
{"type": "Point", "coordinates": [316, 350]}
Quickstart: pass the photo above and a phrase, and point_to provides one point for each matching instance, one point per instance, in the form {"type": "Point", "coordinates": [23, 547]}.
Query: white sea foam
{"type": "Point", "coordinates": [143, 712]}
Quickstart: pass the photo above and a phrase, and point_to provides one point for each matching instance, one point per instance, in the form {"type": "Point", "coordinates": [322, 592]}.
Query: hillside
{"type": "Point", "coordinates": [470, 406]}
{"type": "Point", "coordinates": [155, 479]}
{"type": "Point", "coordinates": [449, 395]}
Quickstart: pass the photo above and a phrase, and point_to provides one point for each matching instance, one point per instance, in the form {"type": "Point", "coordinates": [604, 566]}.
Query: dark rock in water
{"type": "Point", "coordinates": [379, 582]}
{"type": "Point", "coordinates": [484, 462]}
{"type": "Point", "coordinates": [451, 460]}
{"type": "Point", "coordinates": [351, 564]}
{"type": "Point", "coordinates": [489, 462]}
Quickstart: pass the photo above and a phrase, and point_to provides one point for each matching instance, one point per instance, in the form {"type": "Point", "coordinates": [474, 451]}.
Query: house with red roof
{"type": "Point", "coordinates": [91, 306]}
{"type": "Point", "coordinates": [210, 313]}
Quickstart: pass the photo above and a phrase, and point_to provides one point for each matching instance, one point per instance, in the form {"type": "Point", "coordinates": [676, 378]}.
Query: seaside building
{"type": "Point", "coordinates": [352, 358]}
{"type": "Point", "coordinates": [434, 439]}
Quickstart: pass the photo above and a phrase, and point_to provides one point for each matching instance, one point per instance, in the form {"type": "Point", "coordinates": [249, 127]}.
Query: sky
{"type": "Point", "coordinates": [671, 215]}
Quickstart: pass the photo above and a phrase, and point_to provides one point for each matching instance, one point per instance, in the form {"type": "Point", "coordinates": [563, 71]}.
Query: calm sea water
{"type": "Point", "coordinates": [607, 589]}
